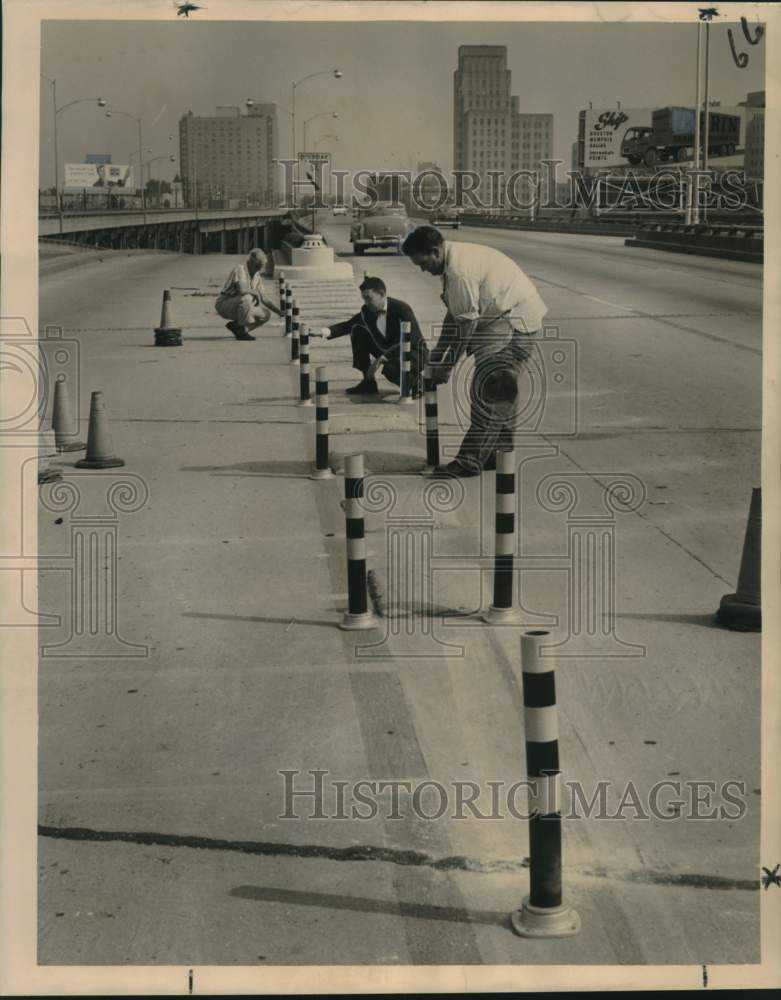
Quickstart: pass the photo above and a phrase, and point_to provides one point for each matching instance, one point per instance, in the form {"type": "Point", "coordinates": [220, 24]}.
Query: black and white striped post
{"type": "Point", "coordinates": [432, 421]}
{"type": "Point", "coordinates": [322, 469]}
{"type": "Point", "coordinates": [282, 292]}
{"type": "Point", "coordinates": [294, 332]}
{"type": "Point", "coordinates": [358, 615]}
{"type": "Point", "coordinates": [305, 394]}
{"type": "Point", "coordinates": [405, 347]}
{"type": "Point", "coordinates": [542, 914]}
{"type": "Point", "coordinates": [503, 610]}
{"type": "Point", "coordinates": [288, 310]}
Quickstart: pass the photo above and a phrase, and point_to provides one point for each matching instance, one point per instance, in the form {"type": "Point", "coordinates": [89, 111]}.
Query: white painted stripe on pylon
{"type": "Point", "coordinates": [505, 544]}
{"type": "Point", "coordinates": [353, 509]}
{"type": "Point", "coordinates": [505, 503]}
{"type": "Point", "coordinates": [531, 661]}
{"type": "Point", "coordinates": [541, 724]}
{"type": "Point", "coordinates": [356, 548]}
{"type": "Point", "coordinates": [321, 426]}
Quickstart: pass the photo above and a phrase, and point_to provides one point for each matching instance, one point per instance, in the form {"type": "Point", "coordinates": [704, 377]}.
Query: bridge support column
{"type": "Point", "coordinates": [196, 240]}
{"type": "Point", "coordinates": [223, 242]}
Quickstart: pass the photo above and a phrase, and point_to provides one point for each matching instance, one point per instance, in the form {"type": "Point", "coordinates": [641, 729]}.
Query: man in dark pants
{"type": "Point", "coordinates": [375, 333]}
{"type": "Point", "coordinates": [493, 311]}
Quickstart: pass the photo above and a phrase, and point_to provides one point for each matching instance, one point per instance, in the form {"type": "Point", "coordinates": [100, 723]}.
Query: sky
{"type": "Point", "coordinates": [395, 99]}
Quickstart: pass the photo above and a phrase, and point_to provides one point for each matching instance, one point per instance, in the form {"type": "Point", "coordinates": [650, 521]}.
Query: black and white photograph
{"type": "Point", "coordinates": [388, 393]}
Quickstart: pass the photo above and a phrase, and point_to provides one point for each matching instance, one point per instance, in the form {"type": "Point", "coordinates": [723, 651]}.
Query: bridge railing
{"type": "Point", "coordinates": [94, 202]}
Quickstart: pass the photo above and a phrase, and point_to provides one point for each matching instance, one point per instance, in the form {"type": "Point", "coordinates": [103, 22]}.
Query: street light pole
{"type": "Point", "coordinates": [57, 112]}
{"type": "Point", "coordinates": [707, 94]}
{"type": "Point", "coordinates": [321, 114]}
{"type": "Point", "coordinates": [694, 184]}
{"type": "Point", "coordinates": [337, 73]}
{"type": "Point", "coordinates": [137, 120]}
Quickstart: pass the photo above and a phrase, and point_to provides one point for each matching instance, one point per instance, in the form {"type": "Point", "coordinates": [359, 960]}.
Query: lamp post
{"type": "Point", "coordinates": [330, 135]}
{"type": "Point", "coordinates": [322, 114]}
{"type": "Point", "coordinates": [56, 113]}
{"type": "Point", "coordinates": [336, 73]}
{"type": "Point", "coordinates": [137, 120]}
{"type": "Point", "coordinates": [155, 159]}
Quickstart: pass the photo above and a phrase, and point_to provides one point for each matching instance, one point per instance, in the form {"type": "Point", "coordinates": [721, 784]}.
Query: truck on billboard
{"type": "Point", "coordinates": [79, 176]}
{"type": "Point", "coordinates": [603, 131]}
{"type": "Point", "coordinates": [671, 136]}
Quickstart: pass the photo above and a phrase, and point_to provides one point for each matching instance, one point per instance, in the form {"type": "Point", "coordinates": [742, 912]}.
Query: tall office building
{"type": "Point", "coordinates": [754, 157]}
{"type": "Point", "coordinates": [489, 130]}
{"type": "Point", "coordinates": [230, 156]}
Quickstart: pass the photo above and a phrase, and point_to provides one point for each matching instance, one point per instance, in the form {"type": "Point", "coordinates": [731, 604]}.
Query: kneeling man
{"type": "Point", "coordinates": [375, 333]}
{"type": "Point", "coordinates": [242, 300]}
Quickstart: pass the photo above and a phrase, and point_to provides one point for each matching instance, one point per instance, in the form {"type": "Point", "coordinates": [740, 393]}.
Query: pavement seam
{"type": "Point", "coordinates": [387, 855]}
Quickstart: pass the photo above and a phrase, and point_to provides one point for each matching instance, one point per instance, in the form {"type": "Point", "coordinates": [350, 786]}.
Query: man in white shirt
{"type": "Point", "coordinates": [492, 311]}
{"type": "Point", "coordinates": [242, 300]}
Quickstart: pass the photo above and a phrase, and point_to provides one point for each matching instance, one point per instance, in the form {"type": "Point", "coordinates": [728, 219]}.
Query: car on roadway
{"type": "Point", "coordinates": [339, 210]}
{"type": "Point", "coordinates": [447, 217]}
{"type": "Point", "coordinates": [384, 225]}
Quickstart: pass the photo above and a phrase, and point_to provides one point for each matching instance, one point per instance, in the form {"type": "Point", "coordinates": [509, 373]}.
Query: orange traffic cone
{"type": "Point", "coordinates": [742, 611]}
{"type": "Point", "coordinates": [65, 428]}
{"type": "Point", "coordinates": [99, 447]}
{"type": "Point", "coordinates": [167, 335]}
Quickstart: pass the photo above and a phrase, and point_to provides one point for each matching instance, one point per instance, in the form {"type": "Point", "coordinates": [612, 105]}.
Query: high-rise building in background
{"type": "Point", "coordinates": [754, 157]}
{"type": "Point", "coordinates": [230, 156]}
{"type": "Point", "coordinates": [489, 130]}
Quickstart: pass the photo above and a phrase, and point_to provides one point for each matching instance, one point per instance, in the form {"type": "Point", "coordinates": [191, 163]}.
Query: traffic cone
{"type": "Point", "coordinates": [167, 335]}
{"type": "Point", "coordinates": [99, 447]}
{"type": "Point", "coordinates": [65, 428]}
{"type": "Point", "coordinates": [742, 611]}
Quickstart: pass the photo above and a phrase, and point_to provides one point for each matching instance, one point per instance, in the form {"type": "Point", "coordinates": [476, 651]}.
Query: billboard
{"type": "Point", "coordinates": [602, 130]}
{"type": "Point", "coordinates": [97, 175]}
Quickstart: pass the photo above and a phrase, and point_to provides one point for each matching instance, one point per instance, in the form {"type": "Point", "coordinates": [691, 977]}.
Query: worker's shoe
{"type": "Point", "coordinates": [366, 387]}
{"type": "Point", "coordinates": [239, 332]}
{"type": "Point", "coordinates": [456, 469]}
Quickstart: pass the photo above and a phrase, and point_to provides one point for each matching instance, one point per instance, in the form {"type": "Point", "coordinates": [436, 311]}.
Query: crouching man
{"type": "Point", "coordinates": [242, 300]}
{"type": "Point", "coordinates": [493, 311]}
{"type": "Point", "coordinates": [375, 335]}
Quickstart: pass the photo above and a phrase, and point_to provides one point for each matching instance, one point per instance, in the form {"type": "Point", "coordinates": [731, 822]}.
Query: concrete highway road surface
{"type": "Point", "coordinates": [174, 740]}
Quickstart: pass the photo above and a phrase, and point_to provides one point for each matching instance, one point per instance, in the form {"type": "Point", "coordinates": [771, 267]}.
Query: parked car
{"type": "Point", "coordinates": [339, 210]}
{"type": "Point", "coordinates": [385, 225]}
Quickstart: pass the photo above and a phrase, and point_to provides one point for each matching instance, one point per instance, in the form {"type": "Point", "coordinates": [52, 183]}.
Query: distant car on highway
{"type": "Point", "coordinates": [447, 217]}
{"type": "Point", "coordinates": [385, 225]}
{"type": "Point", "coordinates": [339, 210]}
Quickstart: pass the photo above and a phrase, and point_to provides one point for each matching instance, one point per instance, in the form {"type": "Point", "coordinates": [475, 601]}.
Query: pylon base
{"type": "Point", "coordinates": [295, 361]}
{"type": "Point", "coordinates": [72, 446]}
{"type": "Point", "coordinates": [100, 463]}
{"type": "Point", "coordinates": [321, 474]}
{"type": "Point", "coordinates": [501, 616]}
{"type": "Point", "coordinates": [170, 336]}
{"type": "Point", "coordinates": [545, 922]}
{"type": "Point", "coordinates": [739, 616]}
{"type": "Point", "coordinates": [428, 470]}
{"type": "Point", "coordinates": [352, 623]}
{"type": "Point", "coordinates": [305, 402]}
